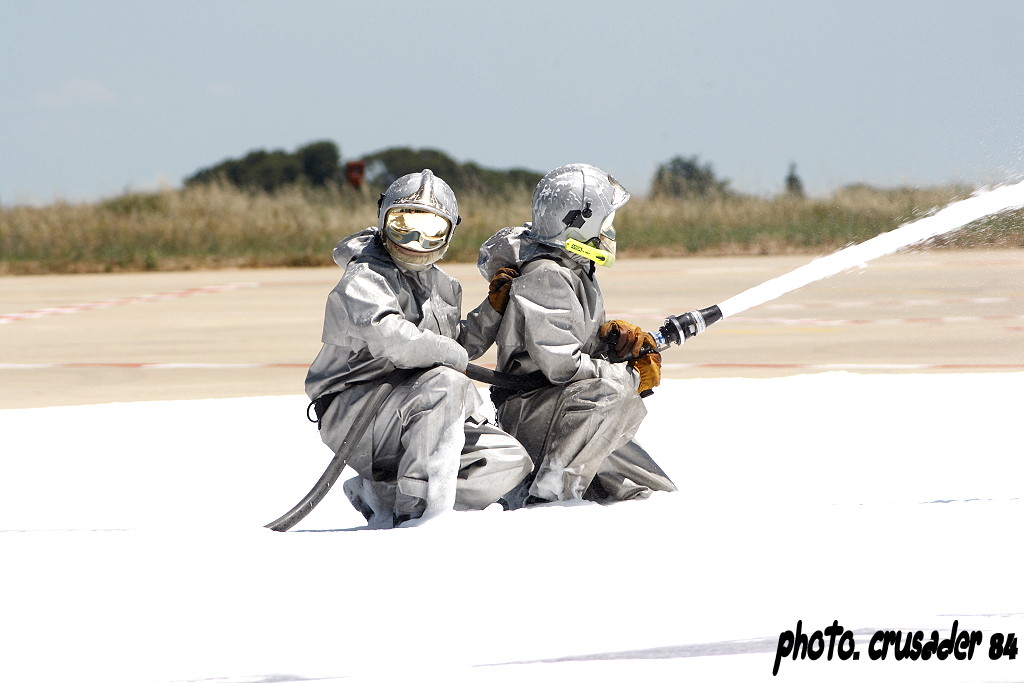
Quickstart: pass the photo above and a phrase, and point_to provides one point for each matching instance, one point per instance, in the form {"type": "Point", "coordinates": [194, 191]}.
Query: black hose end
{"type": "Point", "coordinates": [711, 315]}
{"type": "Point", "coordinates": [679, 328]}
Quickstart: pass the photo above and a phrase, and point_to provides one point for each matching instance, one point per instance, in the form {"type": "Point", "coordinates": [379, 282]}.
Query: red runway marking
{"type": "Point", "coordinates": [150, 366]}
{"type": "Point", "coordinates": [110, 303]}
{"type": "Point", "coordinates": [808, 367]}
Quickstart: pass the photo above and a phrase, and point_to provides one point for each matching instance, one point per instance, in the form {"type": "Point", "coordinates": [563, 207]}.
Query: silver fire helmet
{"type": "Point", "coordinates": [417, 216]}
{"type": "Point", "coordinates": [574, 208]}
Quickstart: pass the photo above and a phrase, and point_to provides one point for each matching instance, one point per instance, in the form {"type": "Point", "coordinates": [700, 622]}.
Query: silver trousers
{"type": "Point", "coordinates": [429, 448]}
{"type": "Point", "coordinates": [580, 437]}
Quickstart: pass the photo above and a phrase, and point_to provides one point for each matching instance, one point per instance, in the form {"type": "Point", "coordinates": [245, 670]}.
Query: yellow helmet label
{"type": "Point", "coordinates": [598, 256]}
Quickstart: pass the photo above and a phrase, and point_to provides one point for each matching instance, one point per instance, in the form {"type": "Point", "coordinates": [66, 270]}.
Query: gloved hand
{"type": "Point", "coordinates": [501, 285]}
{"type": "Point", "coordinates": [649, 368]}
{"type": "Point", "coordinates": [629, 338]}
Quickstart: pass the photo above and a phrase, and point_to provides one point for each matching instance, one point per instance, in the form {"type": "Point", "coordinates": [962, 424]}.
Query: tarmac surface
{"type": "Point", "coordinates": [81, 339]}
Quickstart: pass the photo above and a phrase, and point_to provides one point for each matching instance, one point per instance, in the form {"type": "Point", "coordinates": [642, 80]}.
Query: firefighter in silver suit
{"type": "Point", "coordinates": [579, 431]}
{"type": "Point", "coordinates": [429, 449]}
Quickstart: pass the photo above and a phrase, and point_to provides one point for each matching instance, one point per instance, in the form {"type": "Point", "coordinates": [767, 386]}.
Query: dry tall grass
{"type": "Point", "coordinates": [219, 226]}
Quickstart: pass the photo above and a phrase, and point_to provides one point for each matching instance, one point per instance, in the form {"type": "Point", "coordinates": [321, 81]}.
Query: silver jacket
{"type": "Point", "coordinates": [554, 314]}
{"type": "Point", "coordinates": [380, 317]}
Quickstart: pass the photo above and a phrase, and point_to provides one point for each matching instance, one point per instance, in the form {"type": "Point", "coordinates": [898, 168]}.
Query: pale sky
{"type": "Point", "coordinates": [98, 97]}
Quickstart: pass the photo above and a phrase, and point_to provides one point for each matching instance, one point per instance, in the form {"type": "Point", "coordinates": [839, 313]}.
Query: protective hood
{"type": "Point", "coordinates": [364, 243]}
{"type": "Point", "coordinates": [514, 247]}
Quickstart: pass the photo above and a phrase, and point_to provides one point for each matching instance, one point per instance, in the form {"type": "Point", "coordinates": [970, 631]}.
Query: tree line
{"type": "Point", "coordinates": [319, 164]}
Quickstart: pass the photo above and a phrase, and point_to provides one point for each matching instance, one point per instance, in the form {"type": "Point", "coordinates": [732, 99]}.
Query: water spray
{"type": "Point", "coordinates": [677, 329]}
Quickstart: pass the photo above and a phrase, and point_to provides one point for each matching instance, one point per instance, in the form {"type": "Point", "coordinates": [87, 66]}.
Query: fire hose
{"type": "Point", "coordinates": [674, 332]}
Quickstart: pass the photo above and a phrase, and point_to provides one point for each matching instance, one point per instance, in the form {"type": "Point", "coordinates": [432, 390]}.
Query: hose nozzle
{"type": "Point", "coordinates": [678, 328]}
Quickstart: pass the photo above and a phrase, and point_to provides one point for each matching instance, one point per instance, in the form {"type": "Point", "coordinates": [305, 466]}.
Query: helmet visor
{"type": "Point", "coordinates": [417, 230]}
{"type": "Point", "coordinates": [608, 227]}
{"type": "Point", "coordinates": [606, 240]}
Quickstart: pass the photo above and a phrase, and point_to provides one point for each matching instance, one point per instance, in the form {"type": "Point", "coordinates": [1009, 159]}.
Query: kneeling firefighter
{"type": "Point", "coordinates": [395, 317]}
{"type": "Point", "coordinates": [579, 430]}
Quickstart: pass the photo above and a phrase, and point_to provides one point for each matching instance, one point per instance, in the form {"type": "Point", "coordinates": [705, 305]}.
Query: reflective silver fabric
{"type": "Point", "coordinates": [429, 442]}
{"type": "Point", "coordinates": [430, 449]}
{"type": "Point", "coordinates": [551, 324]}
{"type": "Point", "coordinates": [380, 317]}
{"type": "Point", "coordinates": [590, 193]}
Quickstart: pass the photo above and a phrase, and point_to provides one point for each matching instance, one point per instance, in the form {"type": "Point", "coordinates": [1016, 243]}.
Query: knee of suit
{"type": "Point", "coordinates": [601, 392]}
{"type": "Point", "coordinates": [444, 393]}
{"type": "Point", "coordinates": [446, 379]}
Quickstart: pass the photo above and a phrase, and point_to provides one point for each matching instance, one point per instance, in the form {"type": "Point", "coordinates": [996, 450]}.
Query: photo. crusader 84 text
{"type": "Point", "coordinates": [835, 641]}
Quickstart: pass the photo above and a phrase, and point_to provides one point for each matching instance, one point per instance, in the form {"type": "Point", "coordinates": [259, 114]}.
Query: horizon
{"type": "Point", "coordinates": [167, 186]}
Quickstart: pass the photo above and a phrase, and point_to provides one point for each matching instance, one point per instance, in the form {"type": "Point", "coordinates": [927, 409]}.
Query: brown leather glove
{"type": "Point", "coordinates": [649, 368]}
{"type": "Point", "coordinates": [630, 340]}
{"type": "Point", "coordinates": [501, 285]}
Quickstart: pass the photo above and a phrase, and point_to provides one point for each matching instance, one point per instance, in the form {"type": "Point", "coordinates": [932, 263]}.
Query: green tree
{"type": "Point", "coordinates": [386, 166]}
{"type": "Point", "coordinates": [321, 162]}
{"type": "Point", "coordinates": [316, 163]}
{"type": "Point", "coordinates": [269, 171]}
{"type": "Point", "coordinates": [685, 177]}
{"type": "Point", "coordinates": [794, 186]}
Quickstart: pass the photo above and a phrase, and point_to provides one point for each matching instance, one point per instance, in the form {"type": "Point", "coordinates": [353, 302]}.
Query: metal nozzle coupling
{"type": "Point", "coordinates": [678, 328]}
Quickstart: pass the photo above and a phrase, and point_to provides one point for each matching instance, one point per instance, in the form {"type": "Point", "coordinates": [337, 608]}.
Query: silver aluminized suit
{"type": "Point", "coordinates": [580, 431]}
{"type": "Point", "coordinates": [430, 447]}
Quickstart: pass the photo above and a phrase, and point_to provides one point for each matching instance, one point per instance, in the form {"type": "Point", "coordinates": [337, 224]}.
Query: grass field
{"type": "Point", "coordinates": [218, 226]}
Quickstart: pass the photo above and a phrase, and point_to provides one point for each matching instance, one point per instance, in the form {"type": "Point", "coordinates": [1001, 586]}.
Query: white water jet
{"type": "Point", "coordinates": [950, 218]}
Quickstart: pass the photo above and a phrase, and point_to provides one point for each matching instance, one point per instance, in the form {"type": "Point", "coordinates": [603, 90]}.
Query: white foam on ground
{"type": "Point", "coordinates": [133, 548]}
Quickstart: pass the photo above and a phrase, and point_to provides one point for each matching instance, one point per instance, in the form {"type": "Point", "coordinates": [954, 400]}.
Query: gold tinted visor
{"type": "Point", "coordinates": [416, 230]}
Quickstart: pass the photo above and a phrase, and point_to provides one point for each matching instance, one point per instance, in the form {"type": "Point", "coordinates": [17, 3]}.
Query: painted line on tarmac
{"type": "Point", "coordinates": [816, 305]}
{"type": "Point", "coordinates": [149, 366]}
{"type": "Point", "coordinates": [822, 322]}
{"type": "Point", "coordinates": [890, 303]}
{"type": "Point", "coordinates": [673, 366]}
{"type": "Point", "coordinates": [825, 322]}
{"type": "Point", "coordinates": [111, 303]}
{"type": "Point", "coordinates": [845, 366]}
